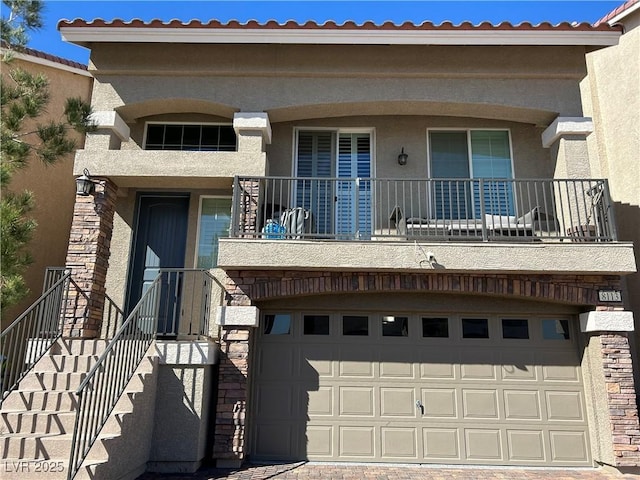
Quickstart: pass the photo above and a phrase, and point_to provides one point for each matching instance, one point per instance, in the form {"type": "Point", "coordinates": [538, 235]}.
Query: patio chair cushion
{"type": "Point", "coordinates": [529, 217]}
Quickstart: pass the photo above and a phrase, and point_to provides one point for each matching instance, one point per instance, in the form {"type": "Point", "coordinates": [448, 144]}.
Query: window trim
{"type": "Point", "coordinates": [197, 240]}
{"type": "Point", "coordinates": [156, 122]}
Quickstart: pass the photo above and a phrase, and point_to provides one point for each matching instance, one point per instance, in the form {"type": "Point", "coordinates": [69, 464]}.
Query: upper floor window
{"type": "Point", "coordinates": [471, 154]}
{"type": "Point", "coordinates": [190, 137]}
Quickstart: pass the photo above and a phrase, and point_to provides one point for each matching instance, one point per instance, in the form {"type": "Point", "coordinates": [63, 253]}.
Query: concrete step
{"type": "Point", "coordinates": [66, 363]}
{"type": "Point", "coordinates": [51, 381]}
{"type": "Point", "coordinates": [20, 401]}
{"type": "Point", "coordinates": [79, 347]}
{"type": "Point", "coordinates": [18, 469]}
{"type": "Point", "coordinates": [28, 447]}
{"type": "Point", "coordinates": [37, 422]}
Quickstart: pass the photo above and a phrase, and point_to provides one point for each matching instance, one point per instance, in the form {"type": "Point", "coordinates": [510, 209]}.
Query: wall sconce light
{"type": "Point", "coordinates": [84, 184]}
{"type": "Point", "coordinates": [402, 158]}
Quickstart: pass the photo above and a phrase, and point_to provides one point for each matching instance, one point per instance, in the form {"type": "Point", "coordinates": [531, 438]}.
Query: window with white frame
{"type": "Point", "coordinates": [471, 154]}
{"type": "Point", "coordinates": [190, 137]}
{"type": "Point", "coordinates": [214, 223]}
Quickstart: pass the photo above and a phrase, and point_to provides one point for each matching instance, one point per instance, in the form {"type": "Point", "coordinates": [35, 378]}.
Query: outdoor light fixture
{"type": "Point", "coordinates": [84, 184]}
{"type": "Point", "coordinates": [402, 158]}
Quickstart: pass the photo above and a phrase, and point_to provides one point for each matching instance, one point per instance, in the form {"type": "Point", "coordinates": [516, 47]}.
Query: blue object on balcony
{"type": "Point", "coordinates": [273, 230]}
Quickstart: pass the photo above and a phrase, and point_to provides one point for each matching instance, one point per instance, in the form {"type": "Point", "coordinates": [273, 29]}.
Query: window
{"type": "Point", "coordinates": [214, 223]}
{"type": "Point", "coordinates": [355, 325]}
{"type": "Point", "coordinates": [193, 137]}
{"type": "Point", "coordinates": [395, 326]}
{"type": "Point", "coordinates": [515, 329]}
{"type": "Point", "coordinates": [555, 329]}
{"type": "Point", "coordinates": [279, 324]}
{"type": "Point", "coordinates": [475, 328]}
{"type": "Point", "coordinates": [435, 327]}
{"type": "Point", "coordinates": [316, 325]}
{"type": "Point", "coordinates": [471, 154]}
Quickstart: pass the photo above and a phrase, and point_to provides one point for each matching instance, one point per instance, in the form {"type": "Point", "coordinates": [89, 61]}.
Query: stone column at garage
{"type": "Point", "coordinates": [231, 429]}
{"type": "Point", "coordinates": [610, 388]}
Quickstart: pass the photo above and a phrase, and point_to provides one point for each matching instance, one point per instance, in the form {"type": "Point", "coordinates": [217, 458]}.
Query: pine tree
{"type": "Point", "coordinates": [23, 98]}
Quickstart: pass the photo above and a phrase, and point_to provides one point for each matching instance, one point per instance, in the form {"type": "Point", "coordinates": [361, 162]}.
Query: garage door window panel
{"type": "Point", "coordinates": [475, 328]}
{"type": "Point", "coordinates": [395, 326]}
{"type": "Point", "coordinates": [316, 324]}
{"type": "Point", "coordinates": [515, 329]}
{"type": "Point", "coordinates": [555, 329]}
{"type": "Point", "coordinates": [435, 327]}
{"type": "Point", "coordinates": [279, 324]}
{"type": "Point", "coordinates": [355, 325]}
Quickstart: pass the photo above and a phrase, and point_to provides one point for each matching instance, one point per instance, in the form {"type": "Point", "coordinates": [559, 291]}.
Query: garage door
{"type": "Point", "coordinates": [365, 387]}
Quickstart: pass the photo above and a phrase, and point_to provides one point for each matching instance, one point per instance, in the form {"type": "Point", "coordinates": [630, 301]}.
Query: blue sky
{"type": "Point", "coordinates": [534, 11]}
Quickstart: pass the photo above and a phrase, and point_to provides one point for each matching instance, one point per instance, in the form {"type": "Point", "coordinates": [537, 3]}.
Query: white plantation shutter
{"type": "Point", "coordinates": [314, 160]}
{"type": "Point", "coordinates": [353, 208]}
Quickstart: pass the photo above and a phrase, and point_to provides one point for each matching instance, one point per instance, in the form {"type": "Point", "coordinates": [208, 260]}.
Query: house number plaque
{"type": "Point", "coordinates": [610, 295]}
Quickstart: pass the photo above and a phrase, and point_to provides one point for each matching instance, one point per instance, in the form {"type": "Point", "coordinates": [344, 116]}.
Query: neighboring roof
{"type": "Point", "coordinates": [619, 13]}
{"type": "Point", "coordinates": [427, 33]}
{"type": "Point", "coordinates": [43, 58]}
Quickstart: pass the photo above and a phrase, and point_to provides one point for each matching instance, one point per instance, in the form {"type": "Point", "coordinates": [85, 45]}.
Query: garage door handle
{"type": "Point", "coordinates": [420, 406]}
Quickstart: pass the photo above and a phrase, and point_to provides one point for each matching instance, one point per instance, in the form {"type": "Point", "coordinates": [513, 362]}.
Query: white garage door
{"type": "Point", "coordinates": [370, 387]}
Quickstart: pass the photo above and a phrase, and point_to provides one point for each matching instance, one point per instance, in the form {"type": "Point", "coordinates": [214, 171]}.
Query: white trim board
{"type": "Point", "coordinates": [83, 35]}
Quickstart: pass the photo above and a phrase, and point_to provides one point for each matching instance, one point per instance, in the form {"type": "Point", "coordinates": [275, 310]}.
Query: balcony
{"type": "Point", "coordinates": [175, 169]}
{"type": "Point", "coordinates": [478, 210]}
{"type": "Point", "coordinates": [531, 225]}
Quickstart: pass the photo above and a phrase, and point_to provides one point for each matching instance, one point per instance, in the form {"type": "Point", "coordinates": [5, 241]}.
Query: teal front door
{"type": "Point", "coordinates": [159, 243]}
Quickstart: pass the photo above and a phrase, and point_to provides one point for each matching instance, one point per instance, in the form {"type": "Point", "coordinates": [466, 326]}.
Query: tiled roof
{"type": "Point", "coordinates": [617, 11]}
{"type": "Point", "coordinates": [331, 25]}
{"type": "Point", "coordinates": [47, 56]}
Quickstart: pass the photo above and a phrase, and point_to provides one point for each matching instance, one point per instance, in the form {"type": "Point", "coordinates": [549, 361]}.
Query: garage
{"type": "Point", "coordinates": [418, 388]}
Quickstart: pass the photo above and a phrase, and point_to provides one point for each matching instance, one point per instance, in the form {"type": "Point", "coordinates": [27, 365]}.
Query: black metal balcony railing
{"type": "Point", "coordinates": [423, 209]}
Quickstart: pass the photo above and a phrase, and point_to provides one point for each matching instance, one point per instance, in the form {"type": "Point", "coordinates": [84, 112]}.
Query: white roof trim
{"type": "Point", "coordinates": [618, 18]}
{"type": "Point", "coordinates": [336, 36]}
{"type": "Point", "coordinates": [50, 63]}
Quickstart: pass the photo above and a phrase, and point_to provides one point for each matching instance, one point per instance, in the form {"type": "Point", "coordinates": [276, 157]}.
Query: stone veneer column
{"type": "Point", "coordinates": [249, 198]}
{"type": "Point", "coordinates": [615, 401]}
{"type": "Point", "coordinates": [621, 397]}
{"type": "Point", "coordinates": [88, 260]}
{"type": "Point", "coordinates": [233, 384]}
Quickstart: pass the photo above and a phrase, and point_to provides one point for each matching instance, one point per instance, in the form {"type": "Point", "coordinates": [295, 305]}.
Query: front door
{"type": "Point", "coordinates": [160, 243]}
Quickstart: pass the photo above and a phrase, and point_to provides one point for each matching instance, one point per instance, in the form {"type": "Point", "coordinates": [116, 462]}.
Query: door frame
{"type": "Point", "coordinates": [135, 233]}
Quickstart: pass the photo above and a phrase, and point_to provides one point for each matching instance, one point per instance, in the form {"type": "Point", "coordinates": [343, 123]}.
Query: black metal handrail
{"type": "Point", "coordinates": [112, 317]}
{"type": "Point", "coordinates": [106, 381]}
{"type": "Point", "coordinates": [479, 209]}
{"type": "Point", "coordinates": [32, 334]}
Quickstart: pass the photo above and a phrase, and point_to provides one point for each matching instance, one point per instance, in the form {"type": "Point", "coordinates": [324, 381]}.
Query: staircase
{"type": "Point", "coordinates": [38, 419]}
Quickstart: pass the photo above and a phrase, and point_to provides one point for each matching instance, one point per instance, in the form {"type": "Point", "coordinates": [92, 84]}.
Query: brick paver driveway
{"type": "Point", "coordinates": [322, 471]}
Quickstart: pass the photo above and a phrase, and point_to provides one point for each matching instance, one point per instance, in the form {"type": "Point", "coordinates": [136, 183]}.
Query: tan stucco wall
{"type": "Point", "coordinates": [391, 133]}
{"type": "Point", "coordinates": [53, 186]}
{"type": "Point", "coordinates": [611, 95]}
{"type": "Point", "coordinates": [181, 418]}
{"type": "Point", "coordinates": [317, 81]}
{"type": "Point", "coordinates": [596, 399]}
{"type": "Point", "coordinates": [614, 258]}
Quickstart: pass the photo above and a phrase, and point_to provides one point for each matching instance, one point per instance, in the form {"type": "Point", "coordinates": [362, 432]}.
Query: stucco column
{"type": "Point", "coordinates": [611, 389]}
{"type": "Point", "coordinates": [233, 387]}
{"type": "Point", "coordinates": [88, 260]}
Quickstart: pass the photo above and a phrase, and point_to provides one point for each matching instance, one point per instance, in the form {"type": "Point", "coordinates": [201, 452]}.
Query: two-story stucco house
{"type": "Point", "coordinates": [351, 243]}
